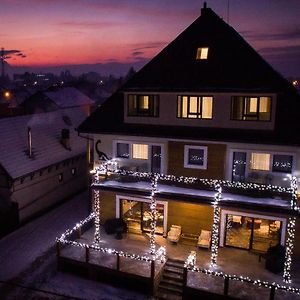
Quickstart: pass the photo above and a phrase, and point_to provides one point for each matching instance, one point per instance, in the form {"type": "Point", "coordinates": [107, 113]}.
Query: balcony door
{"type": "Point", "coordinates": [252, 233]}
{"type": "Point", "coordinates": [239, 161]}
{"type": "Point", "coordinates": [137, 215]}
{"type": "Point", "coordinates": [155, 159]}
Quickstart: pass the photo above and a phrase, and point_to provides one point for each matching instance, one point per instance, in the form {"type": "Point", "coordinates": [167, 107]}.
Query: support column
{"type": "Point", "coordinates": [216, 226]}
{"type": "Point", "coordinates": [96, 195]}
{"type": "Point", "coordinates": [154, 180]}
{"type": "Point", "coordinates": [289, 245]}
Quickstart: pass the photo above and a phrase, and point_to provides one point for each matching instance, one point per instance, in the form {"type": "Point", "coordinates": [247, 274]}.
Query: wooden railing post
{"type": "Point", "coordinates": [272, 293]}
{"type": "Point", "coordinates": [58, 248]}
{"type": "Point", "coordinates": [87, 254]}
{"type": "Point", "coordinates": [118, 262]}
{"type": "Point", "coordinates": [226, 286]}
{"type": "Point", "coordinates": [185, 272]}
{"type": "Point", "coordinates": [78, 232]}
{"type": "Point", "coordinates": [152, 270]}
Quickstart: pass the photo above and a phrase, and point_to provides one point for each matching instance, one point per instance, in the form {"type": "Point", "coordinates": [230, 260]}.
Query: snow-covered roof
{"type": "Point", "coordinates": [69, 97]}
{"type": "Point", "coordinates": [165, 189]}
{"type": "Point", "coordinates": [46, 132]}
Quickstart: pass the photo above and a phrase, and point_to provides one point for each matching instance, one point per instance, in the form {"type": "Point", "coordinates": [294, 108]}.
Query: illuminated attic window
{"type": "Point", "coordinates": [202, 53]}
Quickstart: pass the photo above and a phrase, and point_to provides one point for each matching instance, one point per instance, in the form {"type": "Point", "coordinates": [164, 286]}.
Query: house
{"type": "Point", "coordinates": [42, 162]}
{"type": "Point", "coordinates": [207, 106]}
{"type": "Point", "coordinates": [59, 98]}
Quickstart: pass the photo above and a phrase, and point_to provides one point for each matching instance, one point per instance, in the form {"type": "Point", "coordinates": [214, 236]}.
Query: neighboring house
{"type": "Point", "coordinates": [42, 160]}
{"type": "Point", "coordinates": [206, 106]}
{"type": "Point", "coordinates": [50, 100]}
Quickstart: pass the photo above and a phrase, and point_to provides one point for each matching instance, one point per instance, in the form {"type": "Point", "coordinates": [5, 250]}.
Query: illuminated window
{"type": "Point", "coordinates": [202, 53]}
{"type": "Point", "coordinates": [195, 157]}
{"type": "Point", "coordinates": [143, 105]}
{"type": "Point", "coordinates": [260, 161]}
{"type": "Point", "coordinates": [251, 108]}
{"type": "Point", "coordinates": [195, 107]}
{"type": "Point", "coordinates": [123, 150]}
{"type": "Point", "coordinates": [139, 151]}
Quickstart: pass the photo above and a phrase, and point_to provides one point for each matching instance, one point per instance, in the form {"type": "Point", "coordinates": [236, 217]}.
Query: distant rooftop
{"type": "Point", "coordinates": [69, 97]}
{"type": "Point", "coordinates": [46, 133]}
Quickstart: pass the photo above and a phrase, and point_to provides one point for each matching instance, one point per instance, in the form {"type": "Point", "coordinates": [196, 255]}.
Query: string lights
{"type": "Point", "coordinates": [215, 226]}
{"type": "Point", "coordinates": [289, 245]}
{"type": "Point", "coordinates": [153, 213]}
{"type": "Point", "coordinates": [247, 279]}
{"type": "Point", "coordinates": [96, 194]}
{"type": "Point", "coordinates": [111, 167]}
{"type": "Point", "coordinates": [64, 239]}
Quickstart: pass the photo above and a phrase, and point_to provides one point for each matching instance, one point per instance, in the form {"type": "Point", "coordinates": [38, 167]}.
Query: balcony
{"type": "Point", "coordinates": [250, 195]}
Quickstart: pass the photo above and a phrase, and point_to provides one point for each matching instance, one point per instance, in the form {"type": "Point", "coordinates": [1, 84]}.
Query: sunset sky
{"type": "Point", "coordinates": [61, 32]}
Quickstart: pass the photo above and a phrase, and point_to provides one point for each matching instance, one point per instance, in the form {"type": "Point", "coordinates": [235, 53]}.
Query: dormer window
{"type": "Point", "coordinates": [143, 105]}
{"type": "Point", "coordinates": [202, 53]}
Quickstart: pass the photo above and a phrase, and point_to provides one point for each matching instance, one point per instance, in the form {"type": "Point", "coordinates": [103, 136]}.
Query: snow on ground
{"type": "Point", "coordinates": [28, 260]}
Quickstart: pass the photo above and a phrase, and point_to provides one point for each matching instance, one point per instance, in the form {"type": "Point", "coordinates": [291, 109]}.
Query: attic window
{"type": "Point", "coordinates": [202, 53]}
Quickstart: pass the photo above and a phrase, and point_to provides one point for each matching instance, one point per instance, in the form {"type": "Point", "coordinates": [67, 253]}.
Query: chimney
{"type": "Point", "coordinates": [204, 9]}
{"type": "Point", "coordinates": [29, 142]}
{"type": "Point", "coordinates": [65, 138]}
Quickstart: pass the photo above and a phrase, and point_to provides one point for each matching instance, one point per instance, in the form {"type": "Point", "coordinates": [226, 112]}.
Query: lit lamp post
{"type": "Point", "coordinates": [7, 95]}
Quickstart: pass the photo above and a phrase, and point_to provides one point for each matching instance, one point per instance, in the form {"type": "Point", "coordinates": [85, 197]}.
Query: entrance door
{"type": "Point", "coordinates": [252, 233]}
{"type": "Point", "coordinates": [239, 161]}
{"type": "Point", "coordinates": [137, 215]}
{"type": "Point", "coordinates": [156, 159]}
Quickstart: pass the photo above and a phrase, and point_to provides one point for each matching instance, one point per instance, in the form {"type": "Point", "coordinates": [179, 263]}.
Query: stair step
{"type": "Point", "coordinates": [170, 289]}
{"type": "Point", "coordinates": [171, 282]}
{"type": "Point", "coordinates": [162, 295]}
{"type": "Point", "coordinates": [175, 264]}
{"type": "Point", "coordinates": [176, 260]}
{"type": "Point", "coordinates": [173, 276]}
{"type": "Point", "coordinates": [172, 269]}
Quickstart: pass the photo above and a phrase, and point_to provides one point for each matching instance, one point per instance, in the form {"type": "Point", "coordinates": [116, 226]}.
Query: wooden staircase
{"type": "Point", "coordinates": [171, 283]}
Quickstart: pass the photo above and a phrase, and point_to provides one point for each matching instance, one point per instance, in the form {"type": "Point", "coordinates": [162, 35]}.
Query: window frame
{"type": "Point", "coordinates": [138, 112]}
{"type": "Point", "coordinates": [199, 107]}
{"type": "Point", "coordinates": [256, 116]}
{"type": "Point", "coordinates": [186, 163]}
{"type": "Point", "coordinates": [272, 154]}
{"type": "Point", "coordinates": [116, 149]}
{"type": "Point", "coordinates": [199, 51]}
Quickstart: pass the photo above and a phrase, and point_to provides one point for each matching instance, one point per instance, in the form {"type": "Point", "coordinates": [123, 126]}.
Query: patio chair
{"type": "Point", "coordinates": [174, 233]}
{"type": "Point", "coordinates": [204, 239]}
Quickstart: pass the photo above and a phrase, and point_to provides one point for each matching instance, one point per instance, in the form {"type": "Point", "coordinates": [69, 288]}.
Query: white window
{"type": "Point", "coordinates": [139, 151]}
{"type": "Point", "coordinates": [123, 150]}
{"type": "Point", "coordinates": [195, 157]}
{"type": "Point", "coordinates": [202, 53]}
{"type": "Point", "coordinates": [260, 161]}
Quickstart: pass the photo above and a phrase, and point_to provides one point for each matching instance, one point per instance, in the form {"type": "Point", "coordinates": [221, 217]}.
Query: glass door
{"type": "Point", "coordinates": [238, 231]}
{"type": "Point", "coordinates": [131, 213]}
{"type": "Point", "coordinates": [155, 159]}
{"type": "Point", "coordinates": [252, 233]}
{"type": "Point", "coordinates": [137, 215]}
{"type": "Point", "coordinates": [239, 161]}
{"type": "Point", "coordinates": [266, 233]}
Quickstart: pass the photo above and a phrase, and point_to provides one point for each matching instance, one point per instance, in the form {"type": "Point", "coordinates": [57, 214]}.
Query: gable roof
{"type": "Point", "coordinates": [46, 131]}
{"type": "Point", "coordinates": [69, 97]}
{"type": "Point", "coordinates": [232, 64]}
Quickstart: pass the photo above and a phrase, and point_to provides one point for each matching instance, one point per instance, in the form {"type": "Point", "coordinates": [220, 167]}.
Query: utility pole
{"type": "Point", "coordinates": [2, 62]}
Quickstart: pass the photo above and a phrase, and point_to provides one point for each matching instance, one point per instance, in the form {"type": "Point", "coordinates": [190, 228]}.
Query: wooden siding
{"type": "Point", "coordinates": [191, 217]}
{"type": "Point", "coordinates": [215, 161]}
{"type": "Point", "coordinates": [107, 206]}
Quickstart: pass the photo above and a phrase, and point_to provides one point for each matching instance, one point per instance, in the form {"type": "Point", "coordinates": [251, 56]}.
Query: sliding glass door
{"type": "Point", "coordinates": [252, 233]}
{"type": "Point", "coordinates": [137, 215]}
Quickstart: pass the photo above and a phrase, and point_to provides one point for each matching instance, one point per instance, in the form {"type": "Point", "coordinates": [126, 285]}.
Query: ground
{"type": "Point", "coordinates": [28, 261]}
